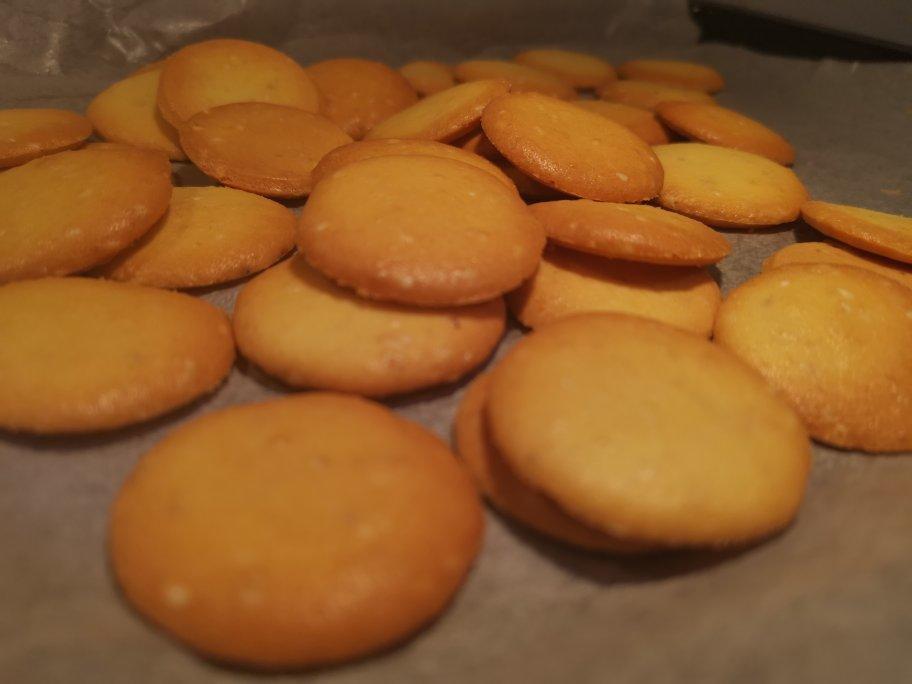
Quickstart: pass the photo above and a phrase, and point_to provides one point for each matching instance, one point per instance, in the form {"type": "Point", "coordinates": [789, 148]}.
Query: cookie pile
{"type": "Point", "coordinates": [320, 527]}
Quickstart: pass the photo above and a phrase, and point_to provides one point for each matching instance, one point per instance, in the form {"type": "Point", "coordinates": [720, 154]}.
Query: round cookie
{"type": "Point", "coordinates": [728, 188]}
{"type": "Point", "coordinates": [477, 142]}
{"type": "Point", "coordinates": [633, 232]}
{"type": "Point", "coordinates": [569, 283]}
{"type": "Point", "coordinates": [648, 433]}
{"type": "Point", "coordinates": [648, 95]}
{"type": "Point", "coordinates": [208, 236]}
{"type": "Point", "coordinates": [263, 148]}
{"type": "Point", "coordinates": [386, 147]}
{"type": "Point", "coordinates": [420, 230]}
{"type": "Point", "coordinates": [127, 113]}
{"type": "Point", "coordinates": [27, 134]}
{"type": "Point", "coordinates": [838, 254]}
{"type": "Point", "coordinates": [673, 73]}
{"type": "Point", "coordinates": [579, 69]}
{"type": "Point", "coordinates": [81, 354]}
{"type": "Point", "coordinates": [716, 125]}
{"type": "Point", "coordinates": [70, 211]}
{"type": "Point", "coordinates": [217, 72]}
{"type": "Point", "coordinates": [571, 149]}
{"type": "Point", "coordinates": [529, 188]}
{"type": "Point", "coordinates": [358, 93]}
{"type": "Point", "coordinates": [509, 494]}
{"type": "Point", "coordinates": [444, 116]}
{"type": "Point", "coordinates": [888, 235]}
{"type": "Point", "coordinates": [522, 79]}
{"type": "Point", "coordinates": [350, 529]}
{"type": "Point", "coordinates": [640, 121]}
{"type": "Point", "coordinates": [836, 342]}
{"type": "Point", "coordinates": [428, 77]}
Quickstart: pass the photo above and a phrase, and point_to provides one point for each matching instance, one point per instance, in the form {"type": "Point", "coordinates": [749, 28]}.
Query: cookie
{"type": "Point", "coordinates": [358, 93]}
{"type": "Point", "coordinates": [368, 149]}
{"type": "Point", "coordinates": [27, 134]}
{"type": "Point", "coordinates": [529, 188]}
{"type": "Point", "coordinates": [648, 95]}
{"type": "Point", "coordinates": [836, 342]}
{"type": "Point", "coordinates": [571, 149]}
{"type": "Point", "coordinates": [420, 230]}
{"type": "Point", "coordinates": [80, 354]}
{"type": "Point", "coordinates": [150, 66]}
{"type": "Point", "coordinates": [444, 116]}
{"type": "Point", "coordinates": [728, 188]}
{"type": "Point", "coordinates": [350, 529]}
{"type": "Point", "coordinates": [263, 148]}
{"type": "Point", "coordinates": [888, 235]}
{"type": "Point", "coordinates": [302, 329]}
{"type": "Point", "coordinates": [522, 79]}
{"type": "Point", "coordinates": [569, 283]}
{"type": "Point", "coordinates": [673, 73]}
{"type": "Point", "coordinates": [580, 70]}
{"type": "Point", "coordinates": [838, 254]}
{"type": "Point", "coordinates": [218, 72]}
{"type": "Point", "coordinates": [640, 121]}
{"type": "Point", "coordinates": [507, 493]}
{"type": "Point", "coordinates": [648, 433]}
{"type": "Point", "coordinates": [208, 236]}
{"type": "Point", "coordinates": [70, 211]}
{"type": "Point", "coordinates": [632, 232]}
{"type": "Point", "coordinates": [716, 125]}
{"type": "Point", "coordinates": [428, 77]}
{"type": "Point", "coordinates": [477, 142]}
{"type": "Point", "coordinates": [127, 113]}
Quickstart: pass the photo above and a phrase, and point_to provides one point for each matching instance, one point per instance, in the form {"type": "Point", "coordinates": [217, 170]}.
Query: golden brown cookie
{"type": "Point", "coordinates": [208, 236]}
{"type": "Point", "coordinates": [420, 230]}
{"type": "Point", "coordinates": [838, 254]}
{"type": "Point", "coordinates": [888, 235]}
{"type": "Point", "coordinates": [522, 79]}
{"type": "Point", "coordinates": [569, 283]}
{"type": "Point", "coordinates": [716, 125]}
{"type": "Point", "coordinates": [647, 95]}
{"type": "Point", "coordinates": [299, 327]}
{"type": "Point", "coordinates": [640, 121]}
{"type": "Point", "coordinates": [529, 188]}
{"type": "Point", "coordinates": [302, 531]}
{"type": "Point", "coordinates": [217, 72]}
{"type": "Point", "coordinates": [477, 142]}
{"type": "Point", "coordinates": [648, 433]}
{"type": "Point", "coordinates": [728, 188]}
{"type": "Point", "coordinates": [80, 354]}
{"type": "Point", "coordinates": [359, 93]}
{"type": "Point", "coordinates": [444, 116]}
{"type": "Point", "coordinates": [127, 113]}
{"type": "Point", "coordinates": [836, 342]}
{"type": "Point", "coordinates": [673, 73]}
{"type": "Point", "coordinates": [571, 149]}
{"type": "Point", "coordinates": [428, 77]}
{"type": "Point", "coordinates": [633, 232]}
{"type": "Point", "coordinates": [70, 211]}
{"type": "Point", "coordinates": [581, 70]}
{"type": "Point", "coordinates": [27, 134]}
{"type": "Point", "coordinates": [263, 148]}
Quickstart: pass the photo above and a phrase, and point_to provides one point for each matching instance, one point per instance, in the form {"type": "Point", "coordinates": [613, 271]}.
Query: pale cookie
{"type": "Point", "coordinates": [217, 72]}
{"type": "Point", "coordinates": [302, 531]}
{"type": "Point", "coordinates": [640, 121]}
{"type": "Point", "coordinates": [522, 79]}
{"type": "Point", "coordinates": [573, 150]}
{"type": "Point", "coordinates": [70, 211]}
{"type": "Point", "coordinates": [716, 125]}
{"type": "Point", "coordinates": [127, 113]}
{"type": "Point", "coordinates": [836, 342]}
{"type": "Point", "coordinates": [428, 77]}
{"type": "Point", "coordinates": [569, 283]}
{"type": "Point", "coordinates": [888, 235]}
{"type": "Point", "coordinates": [420, 230]}
{"type": "Point", "coordinates": [579, 69]}
{"type": "Point", "coordinates": [306, 331]}
{"type": "Point", "coordinates": [358, 93]}
{"type": "Point", "coordinates": [838, 254]}
{"type": "Point", "coordinates": [208, 236]}
{"type": "Point", "coordinates": [27, 134]}
{"type": "Point", "coordinates": [633, 232]}
{"type": "Point", "coordinates": [444, 116]}
{"type": "Point", "coordinates": [648, 433]}
{"type": "Point", "coordinates": [728, 188]}
{"type": "Point", "coordinates": [673, 73]}
{"type": "Point", "coordinates": [263, 148]}
{"type": "Point", "coordinates": [648, 95]}
{"type": "Point", "coordinates": [79, 354]}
